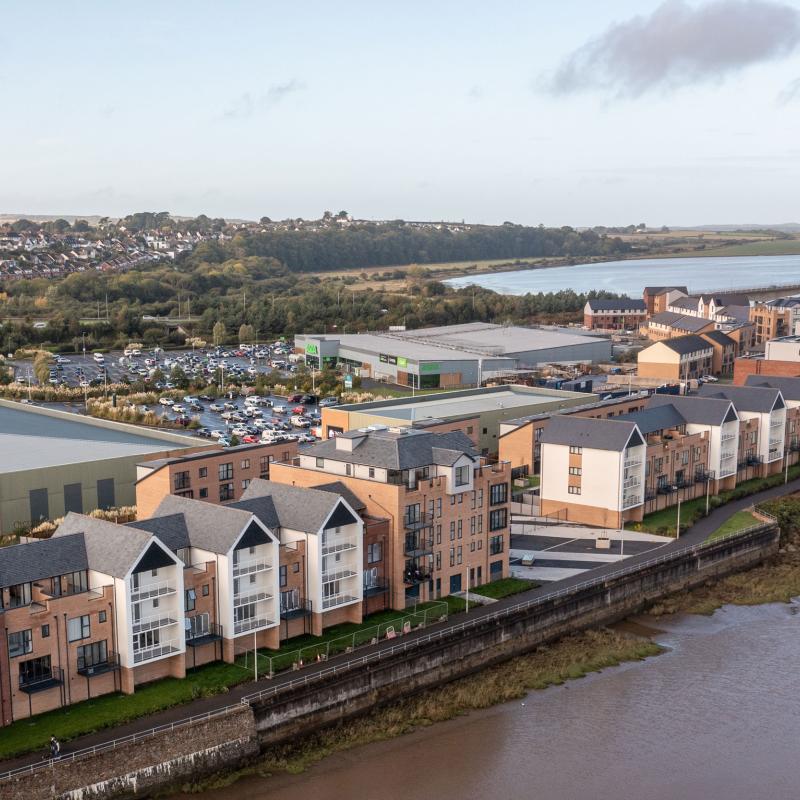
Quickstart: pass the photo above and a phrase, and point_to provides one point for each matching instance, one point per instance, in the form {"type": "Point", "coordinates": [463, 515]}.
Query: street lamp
{"type": "Point", "coordinates": [678, 521]}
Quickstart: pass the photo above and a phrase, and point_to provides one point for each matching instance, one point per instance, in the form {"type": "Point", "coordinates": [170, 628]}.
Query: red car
{"type": "Point", "coordinates": [250, 439]}
{"type": "Point", "coordinates": [299, 410]}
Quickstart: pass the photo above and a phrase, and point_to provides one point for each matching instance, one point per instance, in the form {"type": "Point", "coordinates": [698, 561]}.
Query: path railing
{"type": "Point", "coordinates": [406, 646]}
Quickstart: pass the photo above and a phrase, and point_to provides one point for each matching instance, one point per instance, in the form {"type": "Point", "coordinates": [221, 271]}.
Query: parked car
{"type": "Point", "coordinates": [166, 401]}
{"type": "Point", "coordinates": [295, 398]}
{"type": "Point", "coordinates": [216, 407]}
{"type": "Point", "coordinates": [328, 401]}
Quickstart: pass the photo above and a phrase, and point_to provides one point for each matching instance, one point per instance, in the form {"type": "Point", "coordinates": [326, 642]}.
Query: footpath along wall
{"type": "Point", "coordinates": [293, 710]}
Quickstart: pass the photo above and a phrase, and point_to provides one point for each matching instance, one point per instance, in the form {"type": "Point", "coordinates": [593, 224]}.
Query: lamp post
{"type": "Point", "coordinates": [786, 466]}
{"type": "Point", "coordinates": [678, 521]}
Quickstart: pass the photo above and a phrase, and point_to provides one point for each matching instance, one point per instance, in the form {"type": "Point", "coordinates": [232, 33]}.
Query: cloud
{"type": "Point", "coordinates": [678, 45]}
{"type": "Point", "coordinates": [790, 92]}
{"type": "Point", "coordinates": [248, 104]}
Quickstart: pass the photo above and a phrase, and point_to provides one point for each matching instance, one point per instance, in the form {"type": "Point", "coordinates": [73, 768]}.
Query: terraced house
{"type": "Point", "coordinates": [446, 507]}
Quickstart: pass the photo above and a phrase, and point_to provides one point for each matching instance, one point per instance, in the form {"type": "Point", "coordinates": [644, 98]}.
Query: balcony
{"type": "Point", "coordinates": [776, 423]}
{"type": "Point", "coordinates": [753, 461]}
{"type": "Point", "coordinates": [247, 625]}
{"type": "Point", "coordinates": [251, 567]}
{"type": "Point", "coordinates": [161, 589]}
{"type": "Point", "coordinates": [417, 522]}
{"type": "Point", "coordinates": [418, 545]}
{"type": "Point", "coordinates": [40, 680]}
{"type": "Point", "coordinates": [337, 600]}
{"type": "Point", "coordinates": [91, 668]}
{"type": "Point", "coordinates": [341, 543]}
{"type": "Point", "coordinates": [728, 437]}
{"type": "Point", "coordinates": [156, 651]}
{"type": "Point", "coordinates": [631, 500]}
{"type": "Point", "coordinates": [631, 482]}
{"type": "Point", "coordinates": [299, 608]}
{"type": "Point", "coordinates": [416, 573]}
{"type": "Point", "coordinates": [338, 575]}
{"type": "Point", "coordinates": [376, 588]}
{"type": "Point", "coordinates": [204, 635]}
{"type": "Point", "coordinates": [153, 623]}
{"type": "Point", "coordinates": [250, 598]}
{"type": "Point", "coordinates": [702, 475]}
{"type": "Point", "coordinates": [632, 462]}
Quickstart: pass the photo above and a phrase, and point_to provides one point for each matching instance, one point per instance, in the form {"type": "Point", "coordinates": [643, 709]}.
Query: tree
{"type": "Point", "coordinates": [179, 378]}
{"type": "Point", "coordinates": [218, 333]}
{"type": "Point", "coordinates": [246, 334]}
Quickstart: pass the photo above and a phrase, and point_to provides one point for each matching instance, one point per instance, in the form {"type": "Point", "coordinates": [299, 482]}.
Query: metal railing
{"type": "Point", "coordinates": [149, 590]}
{"type": "Point", "coordinates": [153, 623]}
{"type": "Point", "coordinates": [251, 567]}
{"type": "Point", "coordinates": [156, 651]}
{"type": "Point", "coordinates": [405, 646]}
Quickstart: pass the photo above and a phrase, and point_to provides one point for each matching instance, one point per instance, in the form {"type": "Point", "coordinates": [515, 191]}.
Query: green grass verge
{"type": "Point", "coordinates": [738, 522]}
{"type": "Point", "coordinates": [33, 734]}
{"type": "Point", "coordinates": [504, 587]}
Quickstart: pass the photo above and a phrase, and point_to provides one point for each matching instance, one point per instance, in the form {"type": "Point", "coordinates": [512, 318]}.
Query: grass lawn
{"type": "Point", "coordinates": [738, 522]}
{"type": "Point", "coordinates": [505, 587]}
{"type": "Point", "coordinates": [663, 522]}
{"type": "Point", "coordinates": [27, 735]}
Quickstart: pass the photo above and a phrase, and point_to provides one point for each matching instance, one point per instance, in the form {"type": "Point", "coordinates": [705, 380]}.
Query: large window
{"type": "Point", "coordinates": [190, 600]}
{"type": "Point", "coordinates": [182, 480]}
{"type": "Point", "coordinates": [20, 643]}
{"type": "Point", "coordinates": [79, 628]}
{"type": "Point", "coordinates": [374, 553]}
{"type": "Point", "coordinates": [226, 471]}
{"type": "Point", "coordinates": [225, 492]}
{"type": "Point", "coordinates": [495, 545]}
{"type": "Point", "coordinates": [19, 595]}
{"type": "Point", "coordinates": [462, 475]}
{"type": "Point", "coordinates": [91, 655]}
{"type": "Point", "coordinates": [35, 670]}
{"type": "Point", "coordinates": [498, 519]}
{"type": "Point", "coordinates": [498, 493]}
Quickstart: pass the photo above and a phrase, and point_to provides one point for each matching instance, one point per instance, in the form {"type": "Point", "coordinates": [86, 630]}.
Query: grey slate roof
{"type": "Point", "coordinates": [719, 337]}
{"type": "Point", "coordinates": [789, 387]}
{"type": "Point", "coordinates": [657, 418]}
{"type": "Point", "coordinates": [594, 434]}
{"type": "Point", "coordinates": [158, 463]}
{"type": "Point", "coordinates": [685, 302]}
{"type": "Point", "coordinates": [34, 561]}
{"type": "Point", "coordinates": [210, 527]}
{"type": "Point", "coordinates": [666, 318]}
{"type": "Point", "coordinates": [390, 450]}
{"type": "Point", "coordinates": [615, 304]}
{"type": "Point", "coordinates": [746, 398]}
{"type": "Point", "coordinates": [170, 529]}
{"type": "Point", "coordinates": [695, 409]}
{"type": "Point", "coordinates": [683, 345]}
{"type": "Point", "coordinates": [337, 487]}
{"type": "Point", "coordinates": [111, 549]}
{"type": "Point", "coordinates": [300, 509]}
{"type": "Point", "coordinates": [659, 289]}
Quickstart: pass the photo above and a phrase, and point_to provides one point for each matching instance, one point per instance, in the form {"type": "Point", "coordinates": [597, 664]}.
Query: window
{"type": "Point", "coordinates": [438, 560]}
{"type": "Point", "coordinates": [413, 514]}
{"type": "Point", "coordinates": [459, 554]}
{"type": "Point", "coordinates": [155, 602]}
{"type": "Point", "coordinates": [35, 670]}
{"type": "Point", "coordinates": [283, 576]}
{"type": "Point", "coordinates": [245, 463]}
{"type": "Point", "coordinates": [225, 471]}
{"type": "Point", "coordinates": [372, 472]}
{"type": "Point", "coordinates": [198, 625]}
{"type": "Point", "coordinates": [462, 475]}
{"type": "Point", "coordinates": [460, 529]}
{"type": "Point", "coordinates": [498, 519]}
{"type": "Point", "coordinates": [374, 552]}
{"type": "Point", "coordinates": [225, 492]}
{"type": "Point", "coordinates": [154, 573]}
{"type": "Point", "coordinates": [77, 582]}
{"type": "Point", "coordinates": [495, 545]}
{"type": "Point", "coordinates": [92, 655]}
{"type": "Point", "coordinates": [469, 430]}
{"type": "Point", "coordinates": [182, 481]}
{"type": "Point", "coordinates": [245, 483]}
{"type": "Point", "coordinates": [452, 530]}
{"type": "Point", "coordinates": [480, 498]}
{"type": "Point", "coordinates": [574, 489]}
{"type": "Point", "coordinates": [204, 492]}
{"type": "Point", "coordinates": [78, 628]}
{"type": "Point", "coordinates": [438, 506]}
{"type": "Point", "coordinates": [320, 463]}
{"type": "Point", "coordinates": [20, 643]}
{"type": "Point", "coordinates": [452, 556]}
{"type": "Point", "coordinates": [472, 546]}
{"type": "Point", "coordinates": [146, 640]}
{"type": "Point", "coordinates": [575, 471]}
{"type": "Point", "coordinates": [190, 600]}
{"type": "Point", "coordinates": [290, 600]}
{"type": "Point", "coordinates": [575, 451]}
{"type": "Point", "coordinates": [203, 472]}
{"type": "Point", "coordinates": [438, 534]}
{"type": "Point", "coordinates": [205, 590]}
{"type": "Point", "coordinates": [19, 595]}
{"type": "Point", "coordinates": [45, 631]}
{"type": "Point", "coordinates": [348, 469]}
{"type": "Point", "coordinates": [472, 526]}
{"type": "Point", "coordinates": [498, 493]}
{"type": "Point", "coordinates": [101, 616]}
{"type": "Point", "coordinates": [263, 466]}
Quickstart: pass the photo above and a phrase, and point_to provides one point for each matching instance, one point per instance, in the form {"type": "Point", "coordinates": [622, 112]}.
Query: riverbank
{"type": "Point", "coordinates": [568, 659]}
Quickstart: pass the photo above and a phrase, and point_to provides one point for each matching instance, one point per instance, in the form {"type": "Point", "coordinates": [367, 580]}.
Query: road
{"type": "Point", "coordinates": [695, 535]}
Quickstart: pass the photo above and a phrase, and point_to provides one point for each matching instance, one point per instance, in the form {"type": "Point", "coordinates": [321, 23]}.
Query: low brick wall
{"type": "Point", "coordinates": [143, 768]}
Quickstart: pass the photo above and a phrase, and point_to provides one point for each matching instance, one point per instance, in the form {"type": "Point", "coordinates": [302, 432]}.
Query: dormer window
{"type": "Point", "coordinates": [462, 475]}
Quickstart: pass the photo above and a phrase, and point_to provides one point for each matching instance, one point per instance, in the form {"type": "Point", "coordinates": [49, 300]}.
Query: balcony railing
{"type": "Point", "coordinates": [300, 608]}
{"type": "Point", "coordinates": [631, 500]}
{"type": "Point", "coordinates": [338, 575]}
{"type": "Point", "coordinates": [249, 598]}
{"type": "Point", "coordinates": [39, 680]}
{"type": "Point", "coordinates": [417, 522]}
{"type": "Point", "coordinates": [338, 544]}
{"type": "Point", "coordinates": [251, 567]}
{"type": "Point", "coordinates": [212, 632]}
{"type": "Point", "coordinates": [150, 590]}
{"type": "Point", "coordinates": [633, 462]}
{"type": "Point", "coordinates": [156, 651]}
{"type": "Point", "coordinates": [247, 625]}
{"type": "Point", "coordinates": [776, 423]}
{"type": "Point", "coordinates": [417, 545]}
{"type": "Point", "coordinates": [337, 600]}
{"type": "Point", "coordinates": [88, 668]}
{"type": "Point", "coordinates": [727, 437]}
{"type": "Point", "coordinates": [153, 623]}
{"type": "Point", "coordinates": [375, 588]}
{"type": "Point", "coordinates": [416, 573]}
{"type": "Point", "coordinates": [631, 482]}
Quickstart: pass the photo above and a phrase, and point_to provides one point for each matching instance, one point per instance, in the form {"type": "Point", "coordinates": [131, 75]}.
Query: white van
{"type": "Point", "coordinates": [99, 358]}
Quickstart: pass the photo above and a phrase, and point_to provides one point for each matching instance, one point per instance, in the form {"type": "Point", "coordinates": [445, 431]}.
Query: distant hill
{"type": "Point", "coordinates": [784, 227]}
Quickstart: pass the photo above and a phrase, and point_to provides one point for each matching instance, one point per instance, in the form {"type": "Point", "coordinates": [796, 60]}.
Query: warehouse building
{"type": "Point", "coordinates": [452, 356]}
{"type": "Point", "coordinates": [53, 462]}
{"type": "Point", "coordinates": [475, 412]}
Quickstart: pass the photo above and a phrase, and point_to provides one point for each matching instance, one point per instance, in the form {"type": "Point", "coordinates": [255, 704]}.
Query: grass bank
{"type": "Point", "coordinates": [505, 587]}
{"type": "Point", "coordinates": [738, 522]}
{"type": "Point", "coordinates": [570, 658]}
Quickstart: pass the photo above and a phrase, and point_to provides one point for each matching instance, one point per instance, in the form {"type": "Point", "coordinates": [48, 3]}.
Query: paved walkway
{"type": "Point", "coordinates": [697, 534]}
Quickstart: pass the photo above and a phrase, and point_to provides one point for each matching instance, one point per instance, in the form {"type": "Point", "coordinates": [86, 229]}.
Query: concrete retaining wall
{"type": "Point", "coordinates": [227, 741]}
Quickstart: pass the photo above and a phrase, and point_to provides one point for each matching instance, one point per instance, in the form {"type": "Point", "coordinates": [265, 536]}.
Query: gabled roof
{"type": "Point", "coordinates": [686, 302]}
{"type": "Point", "coordinates": [657, 418]}
{"type": "Point", "coordinates": [593, 434]}
{"type": "Point", "coordinates": [719, 338]}
{"type": "Point", "coordinates": [615, 304]}
{"type": "Point", "coordinates": [660, 289]}
{"type": "Point", "coordinates": [390, 449]}
{"type": "Point", "coordinates": [684, 345]}
{"type": "Point", "coordinates": [695, 409]}
{"type": "Point", "coordinates": [789, 387]}
{"type": "Point", "coordinates": [171, 529]}
{"type": "Point", "coordinates": [666, 318]}
{"type": "Point", "coordinates": [337, 487]}
{"type": "Point", "coordinates": [300, 509]}
{"type": "Point", "coordinates": [761, 399]}
{"type": "Point", "coordinates": [111, 549]}
{"type": "Point", "coordinates": [35, 561]}
{"type": "Point", "coordinates": [210, 527]}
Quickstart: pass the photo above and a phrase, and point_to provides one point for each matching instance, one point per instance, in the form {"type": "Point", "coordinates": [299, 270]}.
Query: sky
{"type": "Point", "coordinates": [574, 112]}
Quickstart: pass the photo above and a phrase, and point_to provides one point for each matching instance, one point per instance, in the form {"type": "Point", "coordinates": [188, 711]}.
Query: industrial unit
{"type": "Point", "coordinates": [451, 356]}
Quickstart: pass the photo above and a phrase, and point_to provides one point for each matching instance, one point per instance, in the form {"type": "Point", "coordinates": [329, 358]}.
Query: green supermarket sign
{"type": "Point", "coordinates": [430, 367]}
{"type": "Point", "coordinates": [402, 362]}
{"type": "Point", "coordinates": [312, 350]}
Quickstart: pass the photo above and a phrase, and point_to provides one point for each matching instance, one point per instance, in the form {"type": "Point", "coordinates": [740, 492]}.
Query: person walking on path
{"type": "Point", "coordinates": [55, 747]}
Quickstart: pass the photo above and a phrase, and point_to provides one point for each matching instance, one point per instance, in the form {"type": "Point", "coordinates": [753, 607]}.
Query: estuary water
{"type": "Point", "coordinates": [630, 277]}
{"type": "Point", "coordinates": [716, 717]}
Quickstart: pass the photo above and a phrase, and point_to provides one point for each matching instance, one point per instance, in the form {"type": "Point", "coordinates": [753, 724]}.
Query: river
{"type": "Point", "coordinates": [716, 717]}
{"type": "Point", "coordinates": [630, 277]}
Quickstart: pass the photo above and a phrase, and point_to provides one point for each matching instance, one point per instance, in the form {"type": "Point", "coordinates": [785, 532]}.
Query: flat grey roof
{"type": "Point", "coordinates": [33, 441]}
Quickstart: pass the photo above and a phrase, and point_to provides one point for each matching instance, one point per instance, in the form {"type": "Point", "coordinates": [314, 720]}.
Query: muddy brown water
{"type": "Point", "coordinates": [717, 717]}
